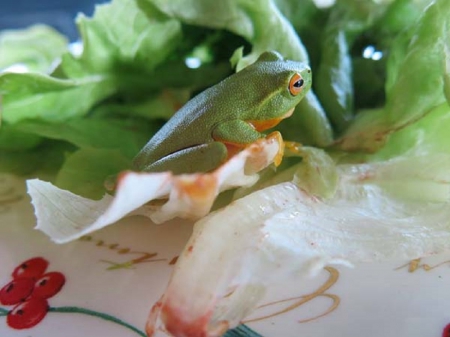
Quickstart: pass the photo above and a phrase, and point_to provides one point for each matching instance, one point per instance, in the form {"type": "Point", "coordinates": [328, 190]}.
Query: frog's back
{"type": "Point", "coordinates": [189, 126]}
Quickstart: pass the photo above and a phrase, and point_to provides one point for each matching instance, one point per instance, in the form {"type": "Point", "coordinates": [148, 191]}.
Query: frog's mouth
{"type": "Point", "coordinates": [263, 125]}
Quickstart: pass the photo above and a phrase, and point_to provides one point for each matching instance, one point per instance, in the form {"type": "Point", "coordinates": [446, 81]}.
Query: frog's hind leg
{"type": "Point", "coordinates": [200, 158]}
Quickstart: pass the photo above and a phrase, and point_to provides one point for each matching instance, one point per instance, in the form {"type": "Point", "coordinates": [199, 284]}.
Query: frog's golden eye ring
{"type": "Point", "coordinates": [296, 84]}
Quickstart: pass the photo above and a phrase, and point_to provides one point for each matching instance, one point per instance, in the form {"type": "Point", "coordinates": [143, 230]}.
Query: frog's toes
{"type": "Point", "coordinates": [279, 139]}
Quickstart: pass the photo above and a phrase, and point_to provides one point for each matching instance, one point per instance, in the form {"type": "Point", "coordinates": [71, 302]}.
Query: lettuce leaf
{"type": "Point", "coordinates": [36, 48]}
{"type": "Point", "coordinates": [114, 57]}
{"type": "Point", "coordinates": [96, 133]}
{"type": "Point", "coordinates": [36, 95]}
{"type": "Point", "coordinates": [365, 220]}
{"type": "Point", "coordinates": [334, 76]}
{"type": "Point", "coordinates": [111, 45]}
{"type": "Point", "coordinates": [85, 171]}
{"type": "Point", "coordinates": [415, 83]}
{"type": "Point", "coordinates": [43, 161]}
{"type": "Point", "coordinates": [14, 140]}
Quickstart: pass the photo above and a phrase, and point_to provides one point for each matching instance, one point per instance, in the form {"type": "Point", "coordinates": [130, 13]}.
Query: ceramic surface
{"type": "Point", "coordinates": [107, 282]}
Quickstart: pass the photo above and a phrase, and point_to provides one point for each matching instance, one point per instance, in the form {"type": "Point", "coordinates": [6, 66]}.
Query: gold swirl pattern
{"type": "Point", "coordinates": [417, 264]}
{"type": "Point", "coordinates": [302, 300]}
{"type": "Point", "coordinates": [143, 257]}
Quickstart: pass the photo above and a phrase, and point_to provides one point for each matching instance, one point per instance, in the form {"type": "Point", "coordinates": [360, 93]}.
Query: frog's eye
{"type": "Point", "coordinates": [296, 84]}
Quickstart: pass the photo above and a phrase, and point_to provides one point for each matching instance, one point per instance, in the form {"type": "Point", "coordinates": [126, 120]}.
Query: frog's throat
{"type": "Point", "coordinates": [262, 125]}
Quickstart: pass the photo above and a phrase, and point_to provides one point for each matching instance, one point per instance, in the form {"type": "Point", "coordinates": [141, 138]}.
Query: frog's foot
{"type": "Point", "coordinates": [279, 139]}
{"type": "Point", "coordinates": [110, 183]}
{"type": "Point", "coordinates": [293, 149]}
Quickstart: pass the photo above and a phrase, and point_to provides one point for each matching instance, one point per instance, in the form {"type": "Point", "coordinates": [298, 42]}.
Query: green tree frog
{"type": "Point", "coordinates": [227, 117]}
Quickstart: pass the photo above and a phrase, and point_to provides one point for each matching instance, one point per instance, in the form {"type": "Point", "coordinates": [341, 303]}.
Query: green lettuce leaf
{"type": "Point", "coordinates": [385, 39]}
{"type": "Point", "coordinates": [124, 38]}
{"type": "Point", "coordinates": [427, 136]}
{"type": "Point", "coordinates": [43, 161]}
{"type": "Point", "coordinates": [415, 86]}
{"type": "Point", "coordinates": [116, 56]}
{"type": "Point", "coordinates": [35, 95]}
{"type": "Point", "coordinates": [85, 171]}
{"type": "Point", "coordinates": [447, 72]}
{"type": "Point", "coordinates": [334, 75]}
{"type": "Point", "coordinates": [14, 140]}
{"type": "Point", "coordinates": [91, 150]}
{"type": "Point", "coordinates": [36, 48]}
{"type": "Point", "coordinates": [95, 133]}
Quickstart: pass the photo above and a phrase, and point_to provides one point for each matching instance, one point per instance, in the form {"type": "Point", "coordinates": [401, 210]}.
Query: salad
{"type": "Point", "coordinates": [369, 181]}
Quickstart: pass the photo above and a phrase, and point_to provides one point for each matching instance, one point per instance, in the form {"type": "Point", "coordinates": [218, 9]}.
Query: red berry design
{"type": "Point", "coordinates": [33, 268]}
{"type": "Point", "coordinates": [16, 291]}
{"type": "Point", "coordinates": [27, 314]}
{"type": "Point", "coordinates": [48, 285]}
{"type": "Point", "coordinates": [446, 331]}
{"type": "Point", "coordinates": [29, 291]}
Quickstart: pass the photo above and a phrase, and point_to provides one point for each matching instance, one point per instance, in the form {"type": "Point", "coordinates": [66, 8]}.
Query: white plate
{"type": "Point", "coordinates": [114, 276]}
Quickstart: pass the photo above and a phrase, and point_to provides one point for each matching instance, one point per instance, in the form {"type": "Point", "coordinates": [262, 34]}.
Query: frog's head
{"type": "Point", "coordinates": [278, 85]}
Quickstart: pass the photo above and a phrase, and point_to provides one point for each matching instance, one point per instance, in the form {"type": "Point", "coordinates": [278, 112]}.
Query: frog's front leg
{"type": "Point", "coordinates": [200, 158]}
{"type": "Point", "coordinates": [236, 132]}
